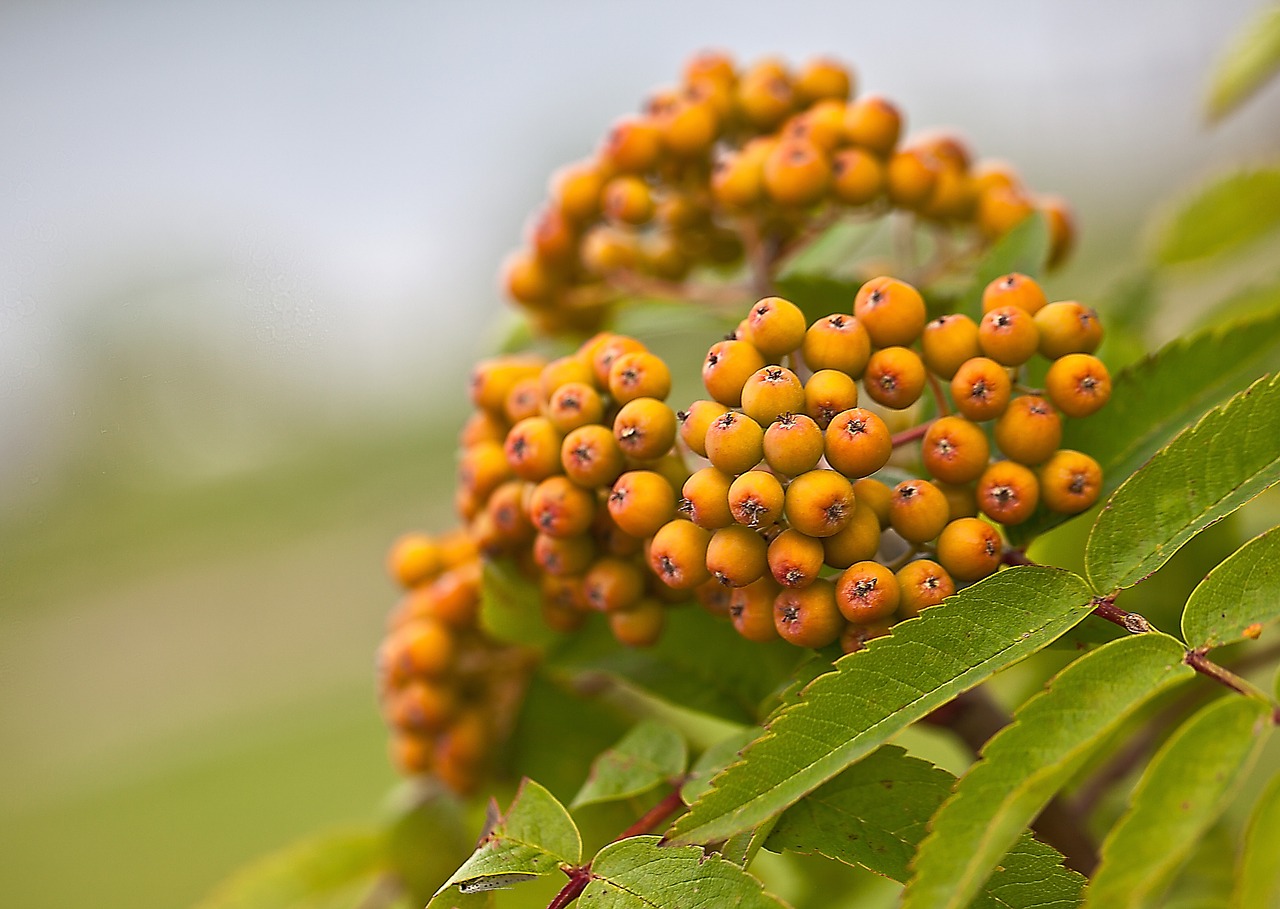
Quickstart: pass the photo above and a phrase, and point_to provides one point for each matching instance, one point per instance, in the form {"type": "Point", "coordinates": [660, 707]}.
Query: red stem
{"type": "Point", "coordinates": [654, 816]}
{"type": "Point", "coordinates": [912, 434]}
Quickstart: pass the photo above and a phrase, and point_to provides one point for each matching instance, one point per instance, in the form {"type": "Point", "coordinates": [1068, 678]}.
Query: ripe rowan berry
{"type": "Point", "coordinates": [751, 610]}
{"type": "Point", "coordinates": [775, 327]}
{"type": "Point", "coordinates": [969, 549]}
{"type": "Point", "coordinates": [918, 511]}
{"type": "Point", "coordinates": [524, 400]}
{"type": "Point", "coordinates": [714, 598]}
{"type": "Point", "coordinates": [1062, 228]}
{"type": "Point", "coordinates": [510, 520]}
{"type": "Point", "coordinates": [827, 393]}
{"type": "Point", "coordinates": [413, 559]}
{"type": "Point", "coordinates": [1029, 431]}
{"type": "Point", "coordinates": [981, 388]}
{"type": "Point", "coordinates": [1068, 327]}
{"type": "Point", "coordinates": [839, 342]}
{"type": "Point", "coordinates": [1008, 335]}
{"type": "Point", "coordinates": [895, 377]}
{"type": "Point", "coordinates": [726, 369]}
{"type": "Point", "coordinates": [576, 188]}
{"type": "Point", "coordinates": [857, 541]}
{"type": "Point", "coordinates": [562, 371]}
{"type": "Point", "coordinates": [876, 496]}
{"type": "Point", "coordinates": [483, 426]}
{"type": "Point", "coordinates": [528, 280]}
{"type": "Point", "coordinates": [858, 442]}
{"type": "Point", "coordinates": [482, 469]}
{"type": "Point", "coordinates": [1070, 482]}
{"type": "Point", "coordinates": [606, 249]}
{"type": "Point", "coordinates": [639, 626]}
{"type": "Point", "coordinates": [948, 341]}
{"type": "Point", "coordinates": [413, 754]}
{"type": "Point", "coordinates": [819, 503]}
{"type": "Point", "coordinates": [797, 173]}
{"type": "Point", "coordinates": [892, 311]}
{"type": "Point", "coordinates": [561, 508]}
{"type": "Point", "coordinates": [736, 556]}
{"type": "Point", "coordinates": [627, 200]}
{"type": "Point", "coordinates": [923, 583]}
{"type": "Point", "coordinates": [855, 637]}
{"type": "Point", "coordinates": [954, 450]}
{"type": "Point", "coordinates": [574, 404]}
{"type": "Point", "coordinates": [735, 443]}
{"type": "Point", "coordinates": [795, 559]}
{"type": "Point", "coordinates": [492, 380]}
{"type": "Point", "coordinates": [633, 145]}
{"type": "Point", "coordinates": [689, 126]}
{"type": "Point", "coordinates": [793, 444]}
{"type": "Point", "coordinates": [423, 647]}
{"type": "Point", "coordinates": [612, 584]}
{"type": "Point", "coordinates": [591, 457]}
{"type": "Point", "coordinates": [645, 429]}
{"type": "Point", "coordinates": [563, 556]}
{"type": "Point", "coordinates": [857, 176]}
{"type": "Point", "coordinates": [823, 78]}
{"type": "Point", "coordinates": [604, 349]}
{"type": "Point", "coordinates": [1014, 289]}
{"type": "Point", "coordinates": [706, 498]}
{"type": "Point", "coordinates": [678, 554]}
{"type": "Point", "coordinates": [422, 706]}
{"type": "Point", "coordinates": [808, 616]}
{"type": "Point", "coordinates": [737, 178]}
{"type": "Point", "coordinates": [694, 422]}
{"type": "Point", "coordinates": [663, 254]}
{"type": "Point", "coordinates": [764, 95]}
{"type": "Point", "coordinates": [641, 501]}
{"type": "Point", "coordinates": [1000, 209]}
{"type": "Point", "coordinates": [954, 194]}
{"type": "Point", "coordinates": [756, 499]}
{"type": "Point", "coordinates": [1008, 492]}
{"type": "Point", "coordinates": [962, 499]}
{"type": "Point", "coordinates": [639, 374]}
{"type": "Point", "coordinates": [873, 123]}
{"type": "Point", "coordinates": [911, 177]}
{"type": "Point", "coordinates": [532, 449]}
{"type": "Point", "coordinates": [822, 125]}
{"type": "Point", "coordinates": [770, 392]}
{"type": "Point", "coordinates": [867, 592]}
{"type": "Point", "coordinates": [1078, 384]}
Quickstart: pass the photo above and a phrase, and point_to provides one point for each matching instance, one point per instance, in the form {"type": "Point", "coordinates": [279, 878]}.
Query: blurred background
{"type": "Point", "coordinates": [247, 253]}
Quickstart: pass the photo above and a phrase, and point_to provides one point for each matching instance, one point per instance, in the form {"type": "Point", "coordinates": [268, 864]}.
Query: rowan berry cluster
{"type": "Point", "coordinates": [732, 158]}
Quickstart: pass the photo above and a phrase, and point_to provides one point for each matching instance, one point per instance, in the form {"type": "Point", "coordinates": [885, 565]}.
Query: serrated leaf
{"type": "Point", "coordinates": [1024, 249]}
{"type": "Point", "coordinates": [700, 664]}
{"type": "Point", "coordinates": [1178, 798]}
{"type": "Point", "coordinates": [1024, 765]}
{"type": "Point", "coordinates": [894, 681]}
{"type": "Point", "coordinates": [712, 761]}
{"type": "Point", "coordinates": [1258, 880]}
{"type": "Point", "coordinates": [1239, 598]}
{"type": "Point", "coordinates": [1204, 474]}
{"type": "Point", "coordinates": [536, 836]}
{"type": "Point", "coordinates": [510, 606]}
{"type": "Point", "coordinates": [305, 874]}
{"type": "Point", "coordinates": [637, 873]}
{"type": "Point", "coordinates": [1252, 60]}
{"type": "Point", "coordinates": [1153, 400]}
{"type": "Point", "coordinates": [876, 813]}
{"type": "Point", "coordinates": [651, 754]}
{"type": "Point", "coordinates": [1223, 217]}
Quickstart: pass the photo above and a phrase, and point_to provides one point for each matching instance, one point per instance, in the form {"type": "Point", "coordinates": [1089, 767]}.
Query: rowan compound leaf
{"type": "Point", "coordinates": [1025, 764]}
{"type": "Point", "coordinates": [637, 873]}
{"type": "Point", "coordinates": [1239, 598]}
{"type": "Point", "coordinates": [875, 813]}
{"type": "Point", "coordinates": [1203, 475]}
{"type": "Point", "coordinates": [1179, 797]}
{"type": "Point", "coordinates": [1223, 217]}
{"type": "Point", "coordinates": [894, 681]}
{"type": "Point", "coordinates": [1252, 59]}
{"type": "Point", "coordinates": [536, 836]}
{"type": "Point", "coordinates": [649, 755]}
{"type": "Point", "coordinates": [1258, 880]}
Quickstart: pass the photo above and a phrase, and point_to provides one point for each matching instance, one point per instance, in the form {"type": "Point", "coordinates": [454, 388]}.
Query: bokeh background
{"type": "Point", "coordinates": [247, 252]}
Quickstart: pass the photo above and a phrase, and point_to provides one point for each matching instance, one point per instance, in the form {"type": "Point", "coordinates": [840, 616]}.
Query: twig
{"type": "Point", "coordinates": [911, 435]}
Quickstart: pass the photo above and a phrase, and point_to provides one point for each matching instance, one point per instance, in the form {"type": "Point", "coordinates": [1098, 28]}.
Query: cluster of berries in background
{"type": "Point", "coordinates": [733, 158]}
{"type": "Point", "coordinates": [840, 475]}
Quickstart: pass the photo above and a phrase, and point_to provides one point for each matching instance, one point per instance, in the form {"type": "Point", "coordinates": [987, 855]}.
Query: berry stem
{"type": "Point", "coordinates": [578, 880]}
{"type": "Point", "coordinates": [650, 820]}
{"type": "Point", "coordinates": [939, 399]}
{"type": "Point", "coordinates": [911, 435]}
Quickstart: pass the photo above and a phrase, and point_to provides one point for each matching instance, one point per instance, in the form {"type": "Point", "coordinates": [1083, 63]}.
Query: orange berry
{"type": "Point", "coordinates": [1078, 384]}
{"type": "Point", "coordinates": [645, 429]}
{"type": "Point", "coordinates": [678, 555]}
{"type": "Point", "coordinates": [1068, 327]}
{"type": "Point", "coordinates": [857, 176]}
{"type": "Point", "coordinates": [793, 444]}
{"type": "Point", "coordinates": [510, 520]}
{"type": "Point", "coordinates": [858, 443]}
{"type": "Point", "coordinates": [706, 498]}
{"type": "Point", "coordinates": [1007, 492]}
{"type": "Point", "coordinates": [867, 592]}
{"type": "Point", "coordinates": [918, 511]}
{"type": "Point", "coordinates": [1014, 289]}
{"type": "Point", "coordinates": [564, 556]}
{"type": "Point", "coordinates": [1000, 209]}
{"type": "Point", "coordinates": [574, 404]}
{"type": "Point", "coordinates": [948, 341]}
{"type": "Point", "coordinates": [639, 374]}
{"type": "Point", "coordinates": [482, 469]}
{"type": "Point", "coordinates": [855, 637]}
{"type": "Point", "coordinates": [857, 541]}
{"type": "Point", "coordinates": [528, 280]}
{"type": "Point", "coordinates": [735, 443]}
{"type": "Point", "coordinates": [639, 626]}
{"type": "Point", "coordinates": [613, 584]}
{"type": "Point", "coordinates": [607, 249]}
{"type": "Point", "coordinates": [1008, 335]}
{"type": "Point", "coordinates": [633, 145]}
{"type": "Point", "coordinates": [796, 173]}
{"type": "Point", "coordinates": [1070, 482]}
{"type": "Point", "coordinates": [962, 500]}
{"type": "Point", "coordinates": [641, 501]}
{"type": "Point", "coordinates": [576, 188]}
{"type": "Point", "coordinates": [483, 426]}
{"type": "Point", "coordinates": [823, 78]}
{"type": "Point", "coordinates": [422, 706]}
{"type": "Point", "coordinates": [770, 392]}
{"type": "Point", "coordinates": [954, 450]}
{"type": "Point", "coordinates": [714, 598]}
{"type": "Point", "coordinates": [561, 508]}
{"type": "Point", "coordinates": [876, 496]}
{"type": "Point", "coordinates": [604, 350]}
{"type": "Point", "coordinates": [492, 380]}
{"type": "Point", "coordinates": [775, 327]}
{"type": "Point", "coordinates": [736, 556]}
{"type": "Point", "coordinates": [562, 371]}
{"type": "Point", "coordinates": [819, 503]}
{"type": "Point", "coordinates": [413, 559]}
{"type": "Point", "coordinates": [751, 610]}
{"type": "Point", "coordinates": [1029, 431]}
{"type": "Point", "coordinates": [627, 200]}
{"type": "Point", "coordinates": [554, 238]}
{"type": "Point", "coordinates": [423, 647]}
{"type": "Point", "coordinates": [726, 369]}
{"type": "Point", "coordinates": [695, 420]}
{"type": "Point", "coordinates": [892, 311]}
{"type": "Point", "coordinates": [524, 400]}
{"type": "Point", "coordinates": [764, 95]}
{"type": "Point", "coordinates": [922, 583]}
{"type": "Point", "coordinates": [981, 388]}
{"type": "Point", "coordinates": [912, 175]}
{"type": "Point", "coordinates": [969, 549]}
{"type": "Point", "coordinates": [795, 559]}
{"type": "Point", "coordinates": [873, 123]}
{"type": "Point", "coordinates": [1062, 228]}
{"type": "Point", "coordinates": [532, 449]}
{"type": "Point", "coordinates": [821, 125]}
{"type": "Point", "coordinates": [756, 499]}
{"type": "Point", "coordinates": [828, 393]}
{"type": "Point", "coordinates": [689, 127]}
{"type": "Point", "coordinates": [895, 377]}
{"type": "Point", "coordinates": [808, 616]}
{"type": "Point", "coordinates": [737, 179]}
{"type": "Point", "coordinates": [837, 341]}
{"type": "Point", "coordinates": [591, 457]}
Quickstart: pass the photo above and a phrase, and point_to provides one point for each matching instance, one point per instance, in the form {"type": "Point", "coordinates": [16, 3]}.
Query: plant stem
{"type": "Point", "coordinates": [650, 820]}
{"type": "Point", "coordinates": [911, 435]}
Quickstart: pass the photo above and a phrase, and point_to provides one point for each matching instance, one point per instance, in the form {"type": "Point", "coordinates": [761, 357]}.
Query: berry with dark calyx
{"type": "Point", "coordinates": [561, 508]}
{"type": "Point", "coordinates": [1014, 289]}
{"type": "Point", "coordinates": [645, 429]}
{"type": "Point", "coordinates": [641, 501]}
{"type": "Point", "coordinates": [858, 443]}
{"type": "Point", "coordinates": [591, 457]}
{"type": "Point", "coordinates": [756, 499]}
{"type": "Point", "coordinates": [639, 374]}
{"type": "Point", "coordinates": [1029, 431]}
{"type": "Point", "coordinates": [922, 583]}
{"type": "Point", "coordinates": [770, 392]}
{"type": "Point", "coordinates": [808, 616]}
{"type": "Point", "coordinates": [775, 327]}
{"type": "Point", "coordinates": [735, 443]}
{"type": "Point", "coordinates": [736, 556]}
{"type": "Point", "coordinates": [981, 389]}
{"type": "Point", "coordinates": [678, 554]}
{"type": "Point", "coordinates": [892, 311]}
{"type": "Point", "coordinates": [969, 549]}
{"type": "Point", "coordinates": [839, 342]}
{"type": "Point", "coordinates": [564, 556]}
{"type": "Point", "coordinates": [1070, 482]}
{"type": "Point", "coordinates": [727, 367]}
{"type": "Point", "coordinates": [705, 498]}
{"type": "Point", "coordinates": [819, 503]}
{"type": "Point", "coordinates": [857, 177]}
{"type": "Point", "coordinates": [867, 592]}
{"type": "Point", "coordinates": [855, 637]}
{"type": "Point", "coordinates": [827, 393]}
{"type": "Point", "coordinates": [574, 404]}
{"type": "Point", "coordinates": [948, 341]}
{"type": "Point", "coordinates": [1068, 327]}
{"type": "Point", "coordinates": [627, 200]}
{"type": "Point", "coordinates": [795, 559]}
{"type": "Point", "coordinates": [1008, 492]}
{"type": "Point", "coordinates": [613, 584]}
{"type": "Point", "coordinates": [695, 420]}
{"type": "Point", "coordinates": [1078, 384]}
{"type": "Point", "coordinates": [796, 173]}
{"type": "Point", "coordinates": [524, 400]}
{"type": "Point", "coordinates": [1008, 335]}
{"type": "Point", "coordinates": [955, 450]}
{"type": "Point", "coordinates": [895, 377]}
{"type": "Point", "coordinates": [857, 541]}
{"type": "Point", "coordinates": [793, 444]}
{"type": "Point", "coordinates": [751, 610]}
{"type": "Point", "coordinates": [918, 511]}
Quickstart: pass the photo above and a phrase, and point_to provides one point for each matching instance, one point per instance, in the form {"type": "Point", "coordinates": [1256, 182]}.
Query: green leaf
{"type": "Point", "coordinates": [511, 606]}
{"type": "Point", "coordinates": [637, 873]}
{"type": "Point", "coordinates": [651, 754]}
{"type": "Point", "coordinates": [535, 837]}
{"type": "Point", "coordinates": [1253, 59]}
{"type": "Point", "coordinates": [1207, 877]}
{"type": "Point", "coordinates": [1258, 880]}
{"type": "Point", "coordinates": [1223, 217]}
{"type": "Point", "coordinates": [876, 813]}
{"type": "Point", "coordinates": [1204, 474]}
{"type": "Point", "coordinates": [712, 761]}
{"type": "Point", "coordinates": [306, 874]}
{"type": "Point", "coordinates": [1243, 593]}
{"type": "Point", "coordinates": [1180, 795]}
{"type": "Point", "coordinates": [1024, 765]}
{"type": "Point", "coordinates": [818, 295]}
{"type": "Point", "coordinates": [1024, 249]}
{"type": "Point", "coordinates": [700, 664]}
{"type": "Point", "coordinates": [1155, 399]}
{"type": "Point", "coordinates": [894, 681]}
